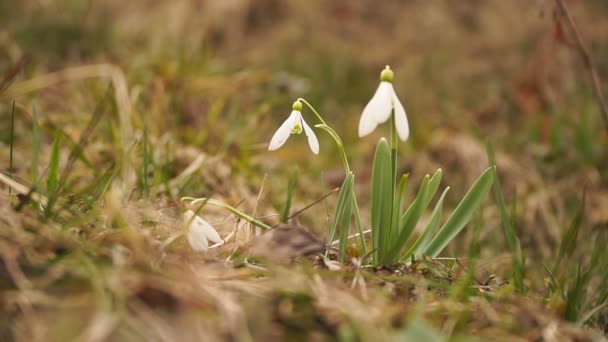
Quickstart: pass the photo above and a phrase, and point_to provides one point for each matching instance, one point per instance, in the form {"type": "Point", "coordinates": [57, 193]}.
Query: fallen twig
{"type": "Point", "coordinates": [333, 191]}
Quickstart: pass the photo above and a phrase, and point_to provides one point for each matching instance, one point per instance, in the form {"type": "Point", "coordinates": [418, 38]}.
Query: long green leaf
{"type": "Point", "coordinates": [359, 224]}
{"type": "Point", "coordinates": [344, 219]}
{"type": "Point", "coordinates": [410, 218]}
{"type": "Point", "coordinates": [398, 205]}
{"type": "Point", "coordinates": [462, 214]}
{"type": "Point", "coordinates": [429, 231]}
{"type": "Point", "coordinates": [344, 198]}
{"type": "Point", "coordinates": [422, 201]}
{"type": "Point", "coordinates": [382, 201]}
{"type": "Point", "coordinates": [412, 214]}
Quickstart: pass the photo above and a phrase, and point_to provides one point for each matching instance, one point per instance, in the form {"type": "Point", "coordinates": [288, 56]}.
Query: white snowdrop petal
{"type": "Point", "coordinates": [401, 123]}
{"type": "Point", "coordinates": [313, 142]}
{"type": "Point", "coordinates": [280, 136]}
{"type": "Point", "coordinates": [385, 94]}
{"type": "Point", "coordinates": [197, 238]}
{"type": "Point", "coordinates": [188, 216]}
{"type": "Point", "coordinates": [210, 232]}
{"type": "Point", "coordinates": [200, 232]}
{"type": "Point", "coordinates": [367, 124]}
{"type": "Point", "coordinates": [377, 110]}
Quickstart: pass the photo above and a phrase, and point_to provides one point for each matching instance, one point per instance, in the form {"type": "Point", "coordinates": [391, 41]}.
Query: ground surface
{"type": "Point", "coordinates": [156, 100]}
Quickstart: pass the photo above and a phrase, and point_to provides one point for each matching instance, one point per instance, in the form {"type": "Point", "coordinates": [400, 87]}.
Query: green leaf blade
{"type": "Point", "coordinates": [291, 186]}
{"type": "Point", "coordinates": [382, 201]}
{"type": "Point", "coordinates": [410, 218]}
{"type": "Point", "coordinates": [343, 207]}
{"type": "Point", "coordinates": [462, 214]}
{"type": "Point", "coordinates": [429, 231]}
{"type": "Point", "coordinates": [344, 219]}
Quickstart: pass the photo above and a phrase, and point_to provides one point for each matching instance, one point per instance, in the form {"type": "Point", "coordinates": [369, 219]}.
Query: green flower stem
{"type": "Point", "coordinates": [229, 208]}
{"type": "Point", "coordinates": [331, 132]}
{"type": "Point", "coordinates": [313, 110]}
{"type": "Point", "coordinates": [394, 144]}
{"type": "Point", "coordinates": [338, 141]}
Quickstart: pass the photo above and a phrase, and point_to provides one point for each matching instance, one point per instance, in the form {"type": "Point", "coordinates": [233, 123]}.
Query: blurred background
{"type": "Point", "coordinates": [216, 78]}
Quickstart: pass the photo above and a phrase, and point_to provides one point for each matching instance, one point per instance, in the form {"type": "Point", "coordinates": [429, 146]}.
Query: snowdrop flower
{"type": "Point", "coordinates": [379, 108]}
{"type": "Point", "coordinates": [200, 232]}
{"type": "Point", "coordinates": [294, 125]}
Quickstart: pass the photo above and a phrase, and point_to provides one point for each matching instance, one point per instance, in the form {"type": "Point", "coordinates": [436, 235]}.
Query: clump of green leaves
{"type": "Point", "coordinates": [392, 228]}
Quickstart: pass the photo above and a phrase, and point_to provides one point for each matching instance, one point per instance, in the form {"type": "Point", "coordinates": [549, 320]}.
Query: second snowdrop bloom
{"type": "Point", "coordinates": [379, 108]}
{"type": "Point", "coordinates": [294, 125]}
{"type": "Point", "coordinates": [200, 232]}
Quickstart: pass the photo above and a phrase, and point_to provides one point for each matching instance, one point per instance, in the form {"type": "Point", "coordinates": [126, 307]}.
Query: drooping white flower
{"type": "Point", "coordinates": [294, 125]}
{"type": "Point", "coordinates": [200, 232]}
{"type": "Point", "coordinates": [379, 108]}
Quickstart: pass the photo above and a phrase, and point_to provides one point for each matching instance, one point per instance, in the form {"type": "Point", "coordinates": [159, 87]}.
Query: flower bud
{"type": "Point", "coordinates": [386, 75]}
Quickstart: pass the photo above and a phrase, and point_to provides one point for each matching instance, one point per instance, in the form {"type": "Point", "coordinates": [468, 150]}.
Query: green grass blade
{"type": "Point", "coordinates": [576, 295]}
{"type": "Point", "coordinates": [12, 141]}
{"type": "Point", "coordinates": [77, 147]}
{"type": "Point", "coordinates": [462, 214]}
{"type": "Point", "coordinates": [35, 145]}
{"type": "Point", "coordinates": [591, 313]}
{"type": "Point", "coordinates": [508, 227]}
{"type": "Point", "coordinates": [554, 284]}
{"type": "Point", "coordinates": [252, 220]}
{"type": "Point", "coordinates": [99, 189]}
{"type": "Point", "coordinates": [418, 330]}
{"type": "Point", "coordinates": [146, 190]}
{"type": "Point", "coordinates": [291, 186]}
{"type": "Point", "coordinates": [602, 271]}
{"type": "Point", "coordinates": [76, 152]}
{"type": "Point", "coordinates": [51, 183]}
{"type": "Point", "coordinates": [568, 244]}
{"type": "Point", "coordinates": [382, 201]}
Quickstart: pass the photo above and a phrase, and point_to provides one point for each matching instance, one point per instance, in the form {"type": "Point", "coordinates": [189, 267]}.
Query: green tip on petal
{"type": "Point", "coordinates": [386, 75]}
{"type": "Point", "coordinates": [296, 129]}
{"type": "Point", "coordinates": [297, 106]}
